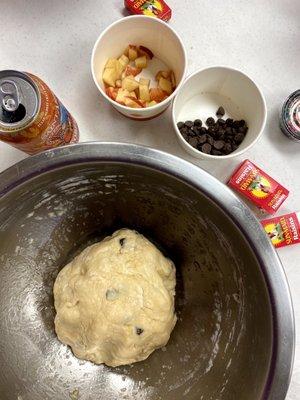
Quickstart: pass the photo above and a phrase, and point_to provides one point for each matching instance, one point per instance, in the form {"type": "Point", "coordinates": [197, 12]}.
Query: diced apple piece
{"type": "Point", "coordinates": [144, 81]}
{"type": "Point", "coordinates": [122, 93]}
{"type": "Point", "coordinates": [112, 72]}
{"type": "Point", "coordinates": [132, 52]}
{"type": "Point", "coordinates": [118, 83]}
{"type": "Point", "coordinates": [109, 76]}
{"type": "Point", "coordinates": [123, 60]}
{"type": "Point", "coordinates": [144, 93]}
{"type": "Point", "coordinates": [151, 104]}
{"type": "Point", "coordinates": [157, 94]}
{"type": "Point", "coordinates": [141, 62]}
{"type": "Point", "coordinates": [111, 92]}
{"type": "Point", "coordinates": [130, 83]}
{"type": "Point", "coordinates": [110, 63]}
{"type": "Point", "coordinates": [133, 94]}
{"type": "Point", "coordinates": [158, 76]}
{"type": "Point", "coordinates": [133, 102]}
{"type": "Point", "coordinates": [165, 85]}
{"type": "Point", "coordinates": [166, 74]}
{"type": "Point", "coordinates": [144, 51]}
{"type": "Point", "coordinates": [173, 80]}
{"type": "Point", "coordinates": [132, 71]}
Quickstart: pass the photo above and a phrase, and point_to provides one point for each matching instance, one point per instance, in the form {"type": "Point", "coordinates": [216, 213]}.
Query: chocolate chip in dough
{"type": "Point", "coordinates": [122, 241]}
{"type": "Point", "coordinates": [220, 111]}
{"type": "Point", "coordinates": [139, 331]}
{"type": "Point", "coordinates": [112, 294]}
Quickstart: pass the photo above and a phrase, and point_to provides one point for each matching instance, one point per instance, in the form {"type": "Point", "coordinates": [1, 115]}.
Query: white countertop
{"type": "Point", "coordinates": [54, 39]}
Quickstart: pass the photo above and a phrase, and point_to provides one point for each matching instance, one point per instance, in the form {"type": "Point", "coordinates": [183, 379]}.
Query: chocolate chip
{"type": "Point", "coordinates": [210, 140]}
{"type": "Point", "coordinates": [210, 121]}
{"type": "Point", "coordinates": [243, 129]}
{"type": "Point", "coordinates": [185, 136]}
{"type": "Point", "coordinates": [112, 294]}
{"type": "Point", "coordinates": [206, 148]}
{"type": "Point", "coordinates": [216, 152]}
{"type": "Point", "coordinates": [184, 129]}
{"type": "Point", "coordinates": [202, 139]}
{"type": "Point", "coordinates": [196, 130]}
{"type": "Point", "coordinates": [220, 111]}
{"type": "Point", "coordinates": [122, 241]}
{"type": "Point", "coordinates": [239, 137]}
{"type": "Point", "coordinates": [198, 122]}
{"type": "Point", "coordinates": [193, 141]}
{"type": "Point", "coordinates": [221, 133]}
{"type": "Point", "coordinates": [227, 148]}
{"type": "Point", "coordinates": [139, 331]}
{"type": "Point", "coordinates": [212, 130]}
{"type": "Point", "coordinates": [220, 137]}
{"type": "Point", "coordinates": [219, 144]}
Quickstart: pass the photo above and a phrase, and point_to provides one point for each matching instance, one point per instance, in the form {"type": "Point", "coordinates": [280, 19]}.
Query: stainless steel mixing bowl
{"type": "Point", "coordinates": [235, 335]}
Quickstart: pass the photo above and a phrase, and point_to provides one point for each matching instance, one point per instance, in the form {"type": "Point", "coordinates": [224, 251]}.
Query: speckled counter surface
{"type": "Point", "coordinates": [54, 40]}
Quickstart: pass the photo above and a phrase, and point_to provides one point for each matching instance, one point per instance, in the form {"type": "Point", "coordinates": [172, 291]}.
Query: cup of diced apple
{"type": "Point", "coordinates": [138, 65]}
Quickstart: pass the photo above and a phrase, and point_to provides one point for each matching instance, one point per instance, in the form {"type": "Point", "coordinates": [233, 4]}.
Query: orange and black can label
{"type": "Point", "coordinates": [51, 125]}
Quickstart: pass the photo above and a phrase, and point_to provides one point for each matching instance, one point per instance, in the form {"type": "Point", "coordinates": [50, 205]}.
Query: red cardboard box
{"type": "Point", "coordinates": [154, 8]}
{"type": "Point", "coordinates": [258, 187]}
{"type": "Point", "coordinates": [284, 230]}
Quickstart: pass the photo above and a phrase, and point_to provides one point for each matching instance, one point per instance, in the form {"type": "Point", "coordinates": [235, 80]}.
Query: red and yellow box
{"type": "Point", "coordinates": [283, 230]}
{"type": "Point", "coordinates": [150, 8]}
{"type": "Point", "coordinates": [258, 187]}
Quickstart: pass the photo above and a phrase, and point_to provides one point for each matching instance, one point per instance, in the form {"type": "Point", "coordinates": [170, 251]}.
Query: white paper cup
{"type": "Point", "coordinates": [204, 91]}
{"type": "Point", "coordinates": [150, 32]}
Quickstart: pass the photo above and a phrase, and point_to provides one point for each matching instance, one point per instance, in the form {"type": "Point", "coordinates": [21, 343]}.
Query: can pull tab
{"type": "Point", "coordinates": [9, 95]}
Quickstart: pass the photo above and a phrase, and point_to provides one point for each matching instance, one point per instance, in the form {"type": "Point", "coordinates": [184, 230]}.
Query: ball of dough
{"type": "Point", "coordinates": [115, 300]}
